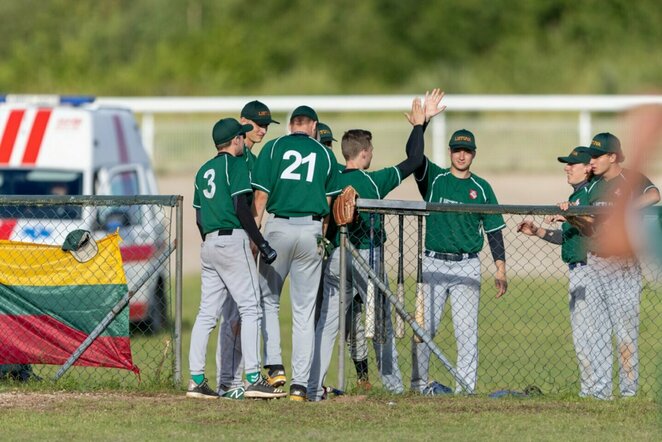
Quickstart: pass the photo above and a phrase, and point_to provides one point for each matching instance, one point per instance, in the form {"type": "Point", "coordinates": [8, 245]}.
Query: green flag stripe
{"type": "Point", "coordinates": [81, 307]}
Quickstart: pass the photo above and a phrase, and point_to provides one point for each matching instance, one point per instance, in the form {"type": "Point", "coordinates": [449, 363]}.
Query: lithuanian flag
{"type": "Point", "coordinates": [50, 302]}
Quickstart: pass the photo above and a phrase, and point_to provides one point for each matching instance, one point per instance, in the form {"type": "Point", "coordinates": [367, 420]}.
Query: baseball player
{"type": "Point", "coordinates": [228, 351]}
{"type": "Point", "coordinates": [573, 253]}
{"type": "Point", "coordinates": [294, 177]}
{"type": "Point", "coordinates": [614, 283]}
{"type": "Point", "coordinates": [354, 330]}
{"type": "Point", "coordinates": [228, 268]}
{"type": "Point", "coordinates": [358, 151]}
{"type": "Point", "coordinates": [451, 267]}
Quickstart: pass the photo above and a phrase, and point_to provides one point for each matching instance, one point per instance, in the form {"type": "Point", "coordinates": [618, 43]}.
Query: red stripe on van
{"type": "Point", "coordinates": [9, 135]}
{"type": "Point", "coordinates": [7, 227]}
{"type": "Point", "coordinates": [137, 253]}
{"type": "Point", "coordinates": [121, 140]}
{"type": "Point", "coordinates": [36, 136]}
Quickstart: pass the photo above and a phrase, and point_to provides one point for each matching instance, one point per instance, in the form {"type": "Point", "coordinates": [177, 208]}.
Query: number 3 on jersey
{"type": "Point", "coordinates": [211, 186]}
{"type": "Point", "coordinates": [290, 172]}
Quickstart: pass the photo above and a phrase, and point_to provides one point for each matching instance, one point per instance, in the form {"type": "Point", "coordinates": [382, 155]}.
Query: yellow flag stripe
{"type": "Point", "coordinates": [28, 264]}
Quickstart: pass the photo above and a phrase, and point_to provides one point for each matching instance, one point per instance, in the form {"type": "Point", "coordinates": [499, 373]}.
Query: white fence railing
{"type": "Point", "coordinates": [584, 105]}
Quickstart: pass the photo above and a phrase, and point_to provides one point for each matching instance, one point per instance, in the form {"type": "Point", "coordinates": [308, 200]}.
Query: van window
{"type": "Point", "coordinates": [125, 183]}
{"type": "Point", "coordinates": [40, 182]}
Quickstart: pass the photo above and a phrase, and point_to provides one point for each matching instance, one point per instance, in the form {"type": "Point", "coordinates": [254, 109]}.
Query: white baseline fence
{"type": "Point", "coordinates": [585, 109]}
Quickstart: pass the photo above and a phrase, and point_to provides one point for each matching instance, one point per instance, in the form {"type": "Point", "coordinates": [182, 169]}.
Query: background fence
{"type": "Point", "coordinates": [525, 337]}
{"type": "Point", "coordinates": [147, 227]}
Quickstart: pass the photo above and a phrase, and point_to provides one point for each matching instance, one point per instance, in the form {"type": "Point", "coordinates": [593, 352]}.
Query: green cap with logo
{"type": "Point", "coordinates": [81, 245]}
{"type": "Point", "coordinates": [462, 139]}
{"type": "Point", "coordinates": [227, 128]}
{"type": "Point", "coordinates": [577, 156]}
{"type": "Point", "coordinates": [604, 143]}
{"type": "Point", "coordinates": [258, 112]}
{"type": "Point", "coordinates": [326, 135]}
{"type": "Point", "coordinates": [304, 111]}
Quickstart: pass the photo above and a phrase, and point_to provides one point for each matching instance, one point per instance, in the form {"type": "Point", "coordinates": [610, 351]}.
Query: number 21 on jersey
{"type": "Point", "coordinates": [291, 172]}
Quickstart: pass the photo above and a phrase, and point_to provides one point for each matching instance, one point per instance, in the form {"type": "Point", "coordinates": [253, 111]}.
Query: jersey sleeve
{"type": "Point", "coordinates": [645, 184]}
{"type": "Point", "coordinates": [492, 221]}
{"type": "Point", "coordinates": [333, 185]}
{"type": "Point", "coordinates": [237, 176]}
{"type": "Point", "coordinates": [386, 180]}
{"type": "Point", "coordinates": [425, 176]}
{"type": "Point", "coordinates": [261, 173]}
{"type": "Point", "coordinates": [196, 196]}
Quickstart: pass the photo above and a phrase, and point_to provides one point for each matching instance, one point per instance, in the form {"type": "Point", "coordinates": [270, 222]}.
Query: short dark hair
{"type": "Point", "coordinates": [354, 141]}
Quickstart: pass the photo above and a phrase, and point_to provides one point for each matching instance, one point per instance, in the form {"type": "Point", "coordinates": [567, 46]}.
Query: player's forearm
{"type": "Point", "coordinates": [551, 236]}
{"type": "Point", "coordinates": [198, 222]}
{"type": "Point", "coordinates": [652, 196]}
{"type": "Point", "coordinates": [495, 240]}
{"type": "Point", "coordinates": [243, 211]}
{"type": "Point", "coordinates": [259, 203]}
{"type": "Point", "coordinates": [500, 268]}
{"type": "Point", "coordinates": [414, 150]}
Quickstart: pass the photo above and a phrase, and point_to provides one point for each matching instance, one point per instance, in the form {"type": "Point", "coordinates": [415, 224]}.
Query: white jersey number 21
{"type": "Point", "coordinates": [290, 171]}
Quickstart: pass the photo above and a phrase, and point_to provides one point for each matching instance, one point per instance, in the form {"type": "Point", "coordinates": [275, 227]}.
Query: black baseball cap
{"type": "Point", "coordinates": [325, 133]}
{"type": "Point", "coordinates": [258, 112]}
{"type": "Point", "coordinates": [577, 156]}
{"type": "Point", "coordinates": [604, 143]}
{"type": "Point", "coordinates": [227, 128]}
{"type": "Point", "coordinates": [462, 139]}
{"type": "Point", "coordinates": [304, 111]}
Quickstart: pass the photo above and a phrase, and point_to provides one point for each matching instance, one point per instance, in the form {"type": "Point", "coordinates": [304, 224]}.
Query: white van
{"type": "Point", "coordinates": [69, 145]}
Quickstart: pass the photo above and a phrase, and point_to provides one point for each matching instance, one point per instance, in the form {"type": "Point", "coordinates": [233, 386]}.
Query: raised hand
{"type": "Point", "coordinates": [417, 115]}
{"type": "Point", "coordinates": [432, 100]}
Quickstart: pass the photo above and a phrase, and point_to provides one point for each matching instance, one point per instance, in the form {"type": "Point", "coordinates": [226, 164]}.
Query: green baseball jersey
{"type": "Point", "coordinates": [298, 173]}
{"type": "Point", "coordinates": [250, 158]}
{"type": "Point", "coordinates": [216, 183]}
{"type": "Point", "coordinates": [573, 245]}
{"type": "Point", "coordinates": [371, 185]}
{"type": "Point", "coordinates": [450, 232]}
{"type": "Point", "coordinates": [603, 193]}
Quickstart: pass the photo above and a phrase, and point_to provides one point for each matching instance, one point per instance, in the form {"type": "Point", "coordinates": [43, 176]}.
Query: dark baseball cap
{"type": "Point", "coordinates": [325, 133]}
{"type": "Point", "coordinates": [227, 128]}
{"type": "Point", "coordinates": [81, 245]}
{"type": "Point", "coordinates": [258, 112]}
{"type": "Point", "coordinates": [304, 111]}
{"type": "Point", "coordinates": [462, 139]}
{"type": "Point", "coordinates": [577, 156]}
{"type": "Point", "coordinates": [604, 143]}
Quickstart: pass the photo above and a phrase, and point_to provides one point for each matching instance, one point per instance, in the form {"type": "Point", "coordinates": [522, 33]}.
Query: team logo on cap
{"type": "Point", "coordinates": [473, 194]}
{"type": "Point", "coordinates": [596, 143]}
{"type": "Point", "coordinates": [264, 114]}
{"type": "Point", "coordinates": [463, 138]}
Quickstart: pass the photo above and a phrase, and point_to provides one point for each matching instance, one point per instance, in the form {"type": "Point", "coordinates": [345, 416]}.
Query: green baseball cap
{"type": "Point", "coordinates": [227, 128]}
{"type": "Point", "coordinates": [81, 245]}
{"type": "Point", "coordinates": [304, 111]}
{"type": "Point", "coordinates": [577, 156]}
{"type": "Point", "coordinates": [258, 112]}
{"type": "Point", "coordinates": [462, 139]}
{"type": "Point", "coordinates": [604, 143]}
{"type": "Point", "coordinates": [325, 133]}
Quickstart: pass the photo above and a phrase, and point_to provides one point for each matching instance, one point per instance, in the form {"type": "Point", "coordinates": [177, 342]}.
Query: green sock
{"type": "Point", "coordinates": [253, 377]}
{"type": "Point", "coordinates": [198, 378]}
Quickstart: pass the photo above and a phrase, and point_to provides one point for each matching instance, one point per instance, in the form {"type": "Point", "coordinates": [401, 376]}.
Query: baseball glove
{"type": "Point", "coordinates": [344, 208]}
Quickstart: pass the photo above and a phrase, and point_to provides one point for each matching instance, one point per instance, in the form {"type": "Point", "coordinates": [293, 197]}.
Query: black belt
{"type": "Point", "coordinates": [315, 217]}
{"type": "Point", "coordinates": [220, 232]}
{"type": "Point", "coordinates": [574, 265]}
{"type": "Point", "coordinates": [450, 256]}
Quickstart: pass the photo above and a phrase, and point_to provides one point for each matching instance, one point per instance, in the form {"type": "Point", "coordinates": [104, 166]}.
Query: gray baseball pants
{"type": "Point", "coordinates": [228, 270]}
{"type": "Point", "coordinates": [459, 281]}
{"type": "Point", "coordinates": [229, 362]}
{"type": "Point", "coordinates": [327, 327]}
{"type": "Point", "coordinates": [580, 323]}
{"type": "Point", "coordinates": [613, 293]}
{"type": "Point", "coordinates": [295, 240]}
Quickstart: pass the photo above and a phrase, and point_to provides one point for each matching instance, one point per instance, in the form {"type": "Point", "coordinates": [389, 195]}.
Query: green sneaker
{"type": "Point", "coordinates": [231, 392]}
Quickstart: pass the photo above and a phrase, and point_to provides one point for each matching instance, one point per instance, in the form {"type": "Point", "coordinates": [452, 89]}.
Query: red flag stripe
{"type": "Point", "coordinates": [36, 136]}
{"type": "Point", "coordinates": [7, 227]}
{"type": "Point", "coordinates": [9, 135]}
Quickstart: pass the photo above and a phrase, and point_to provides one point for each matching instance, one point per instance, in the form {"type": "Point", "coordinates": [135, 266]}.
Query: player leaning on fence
{"type": "Point", "coordinates": [451, 267]}
{"type": "Point", "coordinates": [228, 268]}
{"type": "Point", "coordinates": [573, 253]}
{"type": "Point", "coordinates": [614, 284]}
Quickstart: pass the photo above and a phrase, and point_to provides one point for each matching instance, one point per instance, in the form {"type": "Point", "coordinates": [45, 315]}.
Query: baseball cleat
{"type": "Point", "coordinates": [276, 377]}
{"type": "Point", "coordinates": [262, 390]}
{"type": "Point", "coordinates": [231, 392]}
{"type": "Point", "coordinates": [298, 393]}
{"type": "Point", "coordinates": [201, 391]}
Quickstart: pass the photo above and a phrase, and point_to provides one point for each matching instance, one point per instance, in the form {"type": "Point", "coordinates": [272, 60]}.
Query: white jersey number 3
{"type": "Point", "coordinates": [290, 171]}
{"type": "Point", "coordinates": [211, 189]}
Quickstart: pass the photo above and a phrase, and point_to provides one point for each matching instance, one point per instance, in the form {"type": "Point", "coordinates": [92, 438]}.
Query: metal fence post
{"type": "Point", "coordinates": [342, 308]}
{"type": "Point", "coordinates": [179, 237]}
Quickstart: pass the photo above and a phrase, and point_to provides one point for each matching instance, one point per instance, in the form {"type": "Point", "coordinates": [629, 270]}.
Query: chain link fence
{"type": "Point", "coordinates": [51, 302]}
{"type": "Point", "coordinates": [484, 344]}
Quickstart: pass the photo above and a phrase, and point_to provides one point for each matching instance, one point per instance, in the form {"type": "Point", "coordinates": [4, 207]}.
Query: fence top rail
{"type": "Point", "coordinates": [398, 207]}
{"type": "Point", "coordinates": [91, 200]}
{"type": "Point", "coordinates": [385, 103]}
